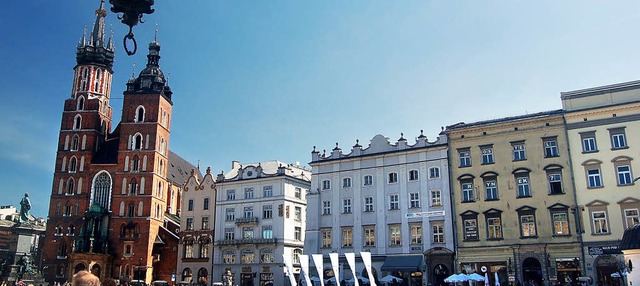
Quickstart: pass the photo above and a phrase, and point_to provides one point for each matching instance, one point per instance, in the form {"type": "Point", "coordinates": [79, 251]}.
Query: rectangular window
{"type": "Point", "coordinates": [298, 213]}
{"type": "Point", "coordinates": [550, 147]}
{"type": "Point", "coordinates": [229, 257]}
{"type": "Point", "coordinates": [600, 225]}
{"type": "Point", "coordinates": [369, 236]}
{"type": "Point", "coordinates": [528, 226]}
{"type": "Point", "coordinates": [247, 257]}
{"type": "Point", "coordinates": [326, 207]}
{"type": "Point", "coordinates": [326, 185]}
{"type": "Point", "coordinates": [188, 250]}
{"type": "Point", "coordinates": [231, 195]}
{"type": "Point", "coordinates": [471, 229]}
{"type": "Point", "coordinates": [267, 191]}
{"type": "Point", "coordinates": [248, 212]}
{"type": "Point", "coordinates": [326, 238]}
{"type": "Point", "coordinates": [229, 233]}
{"type": "Point", "coordinates": [437, 230]}
{"type": "Point", "coordinates": [346, 182]}
{"type": "Point", "coordinates": [434, 173]}
{"type": "Point", "coordinates": [494, 226]}
{"type": "Point", "coordinates": [206, 204]}
{"type": "Point", "coordinates": [190, 207]}
{"type": "Point", "coordinates": [524, 190]}
{"type": "Point", "coordinates": [189, 223]}
{"type": "Point", "coordinates": [267, 211]}
{"type": "Point", "coordinates": [368, 180]}
{"type": "Point", "coordinates": [588, 142]}
{"type": "Point", "coordinates": [416, 233]}
{"type": "Point", "coordinates": [267, 231]}
{"type": "Point", "coordinates": [618, 138]}
{"type": "Point", "coordinates": [347, 237]}
{"type": "Point", "coordinates": [346, 206]}
{"type": "Point", "coordinates": [555, 182]}
{"type": "Point", "coordinates": [205, 222]}
{"type": "Point", "coordinates": [624, 175]}
{"type": "Point", "coordinates": [491, 189]}
{"type": "Point", "coordinates": [465, 157]}
{"type": "Point", "coordinates": [436, 198]}
{"type": "Point", "coordinates": [267, 256]}
{"type": "Point", "coordinates": [394, 202]}
{"type": "Point", "coordinates": [395, 239]}
{"type": "Point", "coordinates": [487, 155]}
{"type": "Point", "coordinates": [393, 178]}
{"type": "Point", "coordinates": [368, 204]}
{"type": "Point", "coordinates": [594, 179]}
{"type": "Point", "coordinates": [230, 214]}
{"type": "Point", "coordinates": [247, 232]}
{"type": "Point", "coordinates": [297, 233]}
{"type": "Point", "coordinates": [298, 193]}
{"type": "Point", "coordinates": [631, 217]}
{"type": "Point", "coordinates": [467, 192]}
{"type": "Point", "coordinates": [248, 193]}
{"type": "Point", "coordinates": [560, 224]}
{"type": "Point", "coordinates": [413, 175]}
{"type": "Point", "coordinates": [414, 200]}
{"type": "Point", "coordinates": [519, 151]}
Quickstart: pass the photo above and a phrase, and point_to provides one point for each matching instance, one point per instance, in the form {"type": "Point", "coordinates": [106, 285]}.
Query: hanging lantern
{"type": "Point", "coordinates": [132, 12]}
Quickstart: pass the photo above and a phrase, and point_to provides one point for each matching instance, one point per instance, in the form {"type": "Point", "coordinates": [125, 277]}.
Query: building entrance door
{"type": "Point", "coordinates": [532, 272]}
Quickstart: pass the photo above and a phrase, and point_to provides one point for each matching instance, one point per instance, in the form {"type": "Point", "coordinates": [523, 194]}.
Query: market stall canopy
{"type": "Point", "coordinates": [402, 263]}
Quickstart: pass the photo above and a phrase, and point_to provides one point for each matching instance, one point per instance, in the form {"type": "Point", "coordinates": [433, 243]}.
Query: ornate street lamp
{"type": "Point", "coordinates": [132, 12]}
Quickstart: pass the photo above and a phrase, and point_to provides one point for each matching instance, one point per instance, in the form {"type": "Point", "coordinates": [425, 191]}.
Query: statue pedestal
{"type": "Point", "coordinates": [14, 273]}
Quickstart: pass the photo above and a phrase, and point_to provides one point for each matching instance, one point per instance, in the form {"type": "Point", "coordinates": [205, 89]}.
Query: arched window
{"type": "Point", "coordinates": [77, 122]}
{"type": "Point", "coordinates": [75, 141]}
{"type": "Point", "coordinates": [133, 187]}
{"type": "Point", "coordinates": [139, 114]}
{"type": "Point", "coordinates": [102, 190]}
{"type": "Point", "coordinates": [135, 164]}
{"type": "Point", "coordinates": [203, 275]}
{"type": "Point", "coordinates": [58, 208]}
{"type": "Point", "coordinates": [140, 208]}
{"type": "Point", "coordinates": [132, 210]}
{"type": "Point", "coordinates": [137, 142]}
{"type": "Point", "coordinates": [70, 186]}
{"type": "Point", "coordinates": [85, 78]}
{"type": "Point", "coordinates": [80, 103]}
{"type": "Point", "coordinates": [162, 146]}
{"type": "Point", "coordinates": [187, 275]}
{"type": "Point", "coordinates": [97, 82]}
{"type": "Point", "coordinates": [296, 255]}
{"type": "Point", "coordinates": [73, 163]}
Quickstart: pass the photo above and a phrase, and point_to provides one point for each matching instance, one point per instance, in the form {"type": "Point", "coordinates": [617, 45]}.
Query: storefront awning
{"type": "Point", "coordinates": [402, 263]}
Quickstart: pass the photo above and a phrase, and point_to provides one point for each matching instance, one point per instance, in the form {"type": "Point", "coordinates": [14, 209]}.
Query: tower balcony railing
{"type": "Point", "coordinates": [247, 220]}
{"type": "Point", "coordinates": [247, 241]}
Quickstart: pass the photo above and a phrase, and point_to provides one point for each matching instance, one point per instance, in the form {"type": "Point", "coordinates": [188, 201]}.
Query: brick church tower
{"type": "Point", "coordinates": [109, 202]}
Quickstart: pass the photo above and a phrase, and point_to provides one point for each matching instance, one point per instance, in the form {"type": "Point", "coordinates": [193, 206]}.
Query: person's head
{"type": "Point", "coordinates": [85, 278]}
{"type": "Point", "coordinates": [109, 282]}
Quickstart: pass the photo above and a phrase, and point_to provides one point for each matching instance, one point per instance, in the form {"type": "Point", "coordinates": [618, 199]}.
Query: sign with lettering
{"type": "Point", "coordinates": [424, 214]}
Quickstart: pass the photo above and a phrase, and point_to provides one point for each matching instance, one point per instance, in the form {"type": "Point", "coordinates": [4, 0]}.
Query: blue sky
{"type": "Point", "coordinates": [268, 80]}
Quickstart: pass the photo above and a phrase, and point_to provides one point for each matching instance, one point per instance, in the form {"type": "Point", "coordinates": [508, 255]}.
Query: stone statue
{"type": "Point", "coordinates": [25, 261]}
{"type": "Point", "coordinates": [25, 206]}
{"type": "Point", "coordinates": [227, 278]}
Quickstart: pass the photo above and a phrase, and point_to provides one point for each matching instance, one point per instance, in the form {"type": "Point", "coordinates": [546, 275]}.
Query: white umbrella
{"type": "Point", "coordinates": [456, 278]}
{"type": "Point", "coordinates": [389, 278]}
{"type": "Point", "coordinates": [497, 280]}
{"type": "Point", "coordinates": [476, 277]}
{"type": "Point", "coordinates": [486, 279]}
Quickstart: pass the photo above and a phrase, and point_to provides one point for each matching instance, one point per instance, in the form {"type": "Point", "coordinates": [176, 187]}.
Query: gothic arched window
{"type": "Point", "coordinates": [75, 142]}
{"type": "Point", "coordinates": [80, 103]}
{"type": "Point", "coordinates": [139, 114]}
{"type": "Point", "coordinates": [77, 122]}
{"type": "Point", "coordinates": [73, 164]}
{"type": "Point", "coordinates": [137, 142]}
{"type": "Point", "coordinates": [133, 187]}
{"type": "Point", "coordinates": [97, 83]}
{"type": "Point", "coordinates": [70, 186]}
{"type": "Point", "coordinates": [102, 190]}
{"type": "Point", "coordinates": [135, 164]}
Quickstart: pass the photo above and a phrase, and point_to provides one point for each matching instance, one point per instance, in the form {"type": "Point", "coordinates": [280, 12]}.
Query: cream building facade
{"type": "Point", "coordinates": [603, 125]}
{"type": "Point", "coordinates": [513, 199]}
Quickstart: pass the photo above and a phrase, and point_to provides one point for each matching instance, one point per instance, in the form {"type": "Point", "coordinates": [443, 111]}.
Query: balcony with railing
{"type": "Point", "coordinates": [246, 220]}
{"type": "Point", "coordinates": [247, 241]}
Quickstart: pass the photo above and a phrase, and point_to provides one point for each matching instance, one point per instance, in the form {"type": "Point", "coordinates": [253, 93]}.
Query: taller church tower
{"type": "Point", "coordinates": [110, 188]}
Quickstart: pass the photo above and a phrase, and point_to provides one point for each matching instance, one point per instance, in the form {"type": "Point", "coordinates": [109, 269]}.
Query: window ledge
{"type": "Point", "coordinates": [519, 160]}
{"type": "Point", "coordinates": [598, 187]}
{"type": "Point", "coordinates": [626, 185]}
{"type": "Point", "coordinates": [589, 152]}
{"type": "Point", "coordinates": [466, 202]}
{"type": "Point", "coordinates": [554, 156]}
{"type": "Point", "coordinates": [495, 239]}
{"type": "Point", "coordinates": [556, 194]}
{"type": "Point", "coordinates": [464, 166]}
{"type": "Point", "coordinates": [620, 148]}
{"type": "Point", "coordinates": [599, 234]}
{"type": "Point", "coordinates": [529, 237]}
{"type": "Point", "coordinates": [491, 200]}
{"type": "Point", "coordinates": [562, 235]}
{"type": "Point", "coordinates": [471, 240]}
{"type": "Point", "coordinates": [524, 197]}
{"type": "Point", "coordinates": [491, 163]}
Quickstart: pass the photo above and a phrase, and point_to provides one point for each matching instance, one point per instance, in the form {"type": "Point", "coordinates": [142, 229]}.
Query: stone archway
{"type": "Point", "coordinates": [532, 271]}
{"type": "Point", "coordinates": [96, 270]}
{"type": "Point", "coordinates": [79, 267]}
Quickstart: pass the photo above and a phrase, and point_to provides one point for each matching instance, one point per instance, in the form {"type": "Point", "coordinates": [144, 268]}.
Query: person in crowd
{"type": "Point", "coordinates": [85, 278]}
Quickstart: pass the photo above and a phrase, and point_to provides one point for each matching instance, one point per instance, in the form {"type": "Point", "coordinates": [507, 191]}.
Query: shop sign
{"type": "Point", "coordinates": [599, 250]}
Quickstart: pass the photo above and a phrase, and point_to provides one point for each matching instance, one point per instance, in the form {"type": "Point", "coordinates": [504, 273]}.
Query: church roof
{"type": "Point", "coordinates": [180, 169]}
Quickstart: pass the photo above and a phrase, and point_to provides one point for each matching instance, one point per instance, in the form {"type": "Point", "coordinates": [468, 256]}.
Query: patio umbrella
{"type": "Point", "coordinates": [497, 280]}
{"type": "Point", "coordinates": [364, 280]}
{"type": "Point", "coordinates": [389, 278]}
{"type": "Point", "coordinates": [486, 279]}
{"type": "Point", "coordinates": [476, 277]}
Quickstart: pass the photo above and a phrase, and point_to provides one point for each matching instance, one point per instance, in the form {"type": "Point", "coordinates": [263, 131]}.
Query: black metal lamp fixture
{"type": "Point", "coordinates": [132, 12]}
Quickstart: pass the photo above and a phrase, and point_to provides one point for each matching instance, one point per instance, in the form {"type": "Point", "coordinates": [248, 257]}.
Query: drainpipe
{"type": "Point", "coordinates": [453, 208]}
{"type": "Point", "coordinates": [577, 212]}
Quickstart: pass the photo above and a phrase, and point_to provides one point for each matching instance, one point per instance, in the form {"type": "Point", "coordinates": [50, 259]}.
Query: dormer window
{"type": "Point", "coordinates": [139, 114]}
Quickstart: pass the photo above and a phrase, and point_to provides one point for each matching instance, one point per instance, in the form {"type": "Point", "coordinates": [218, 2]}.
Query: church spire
{"type": "Point", "coordinates": [96, 50]}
